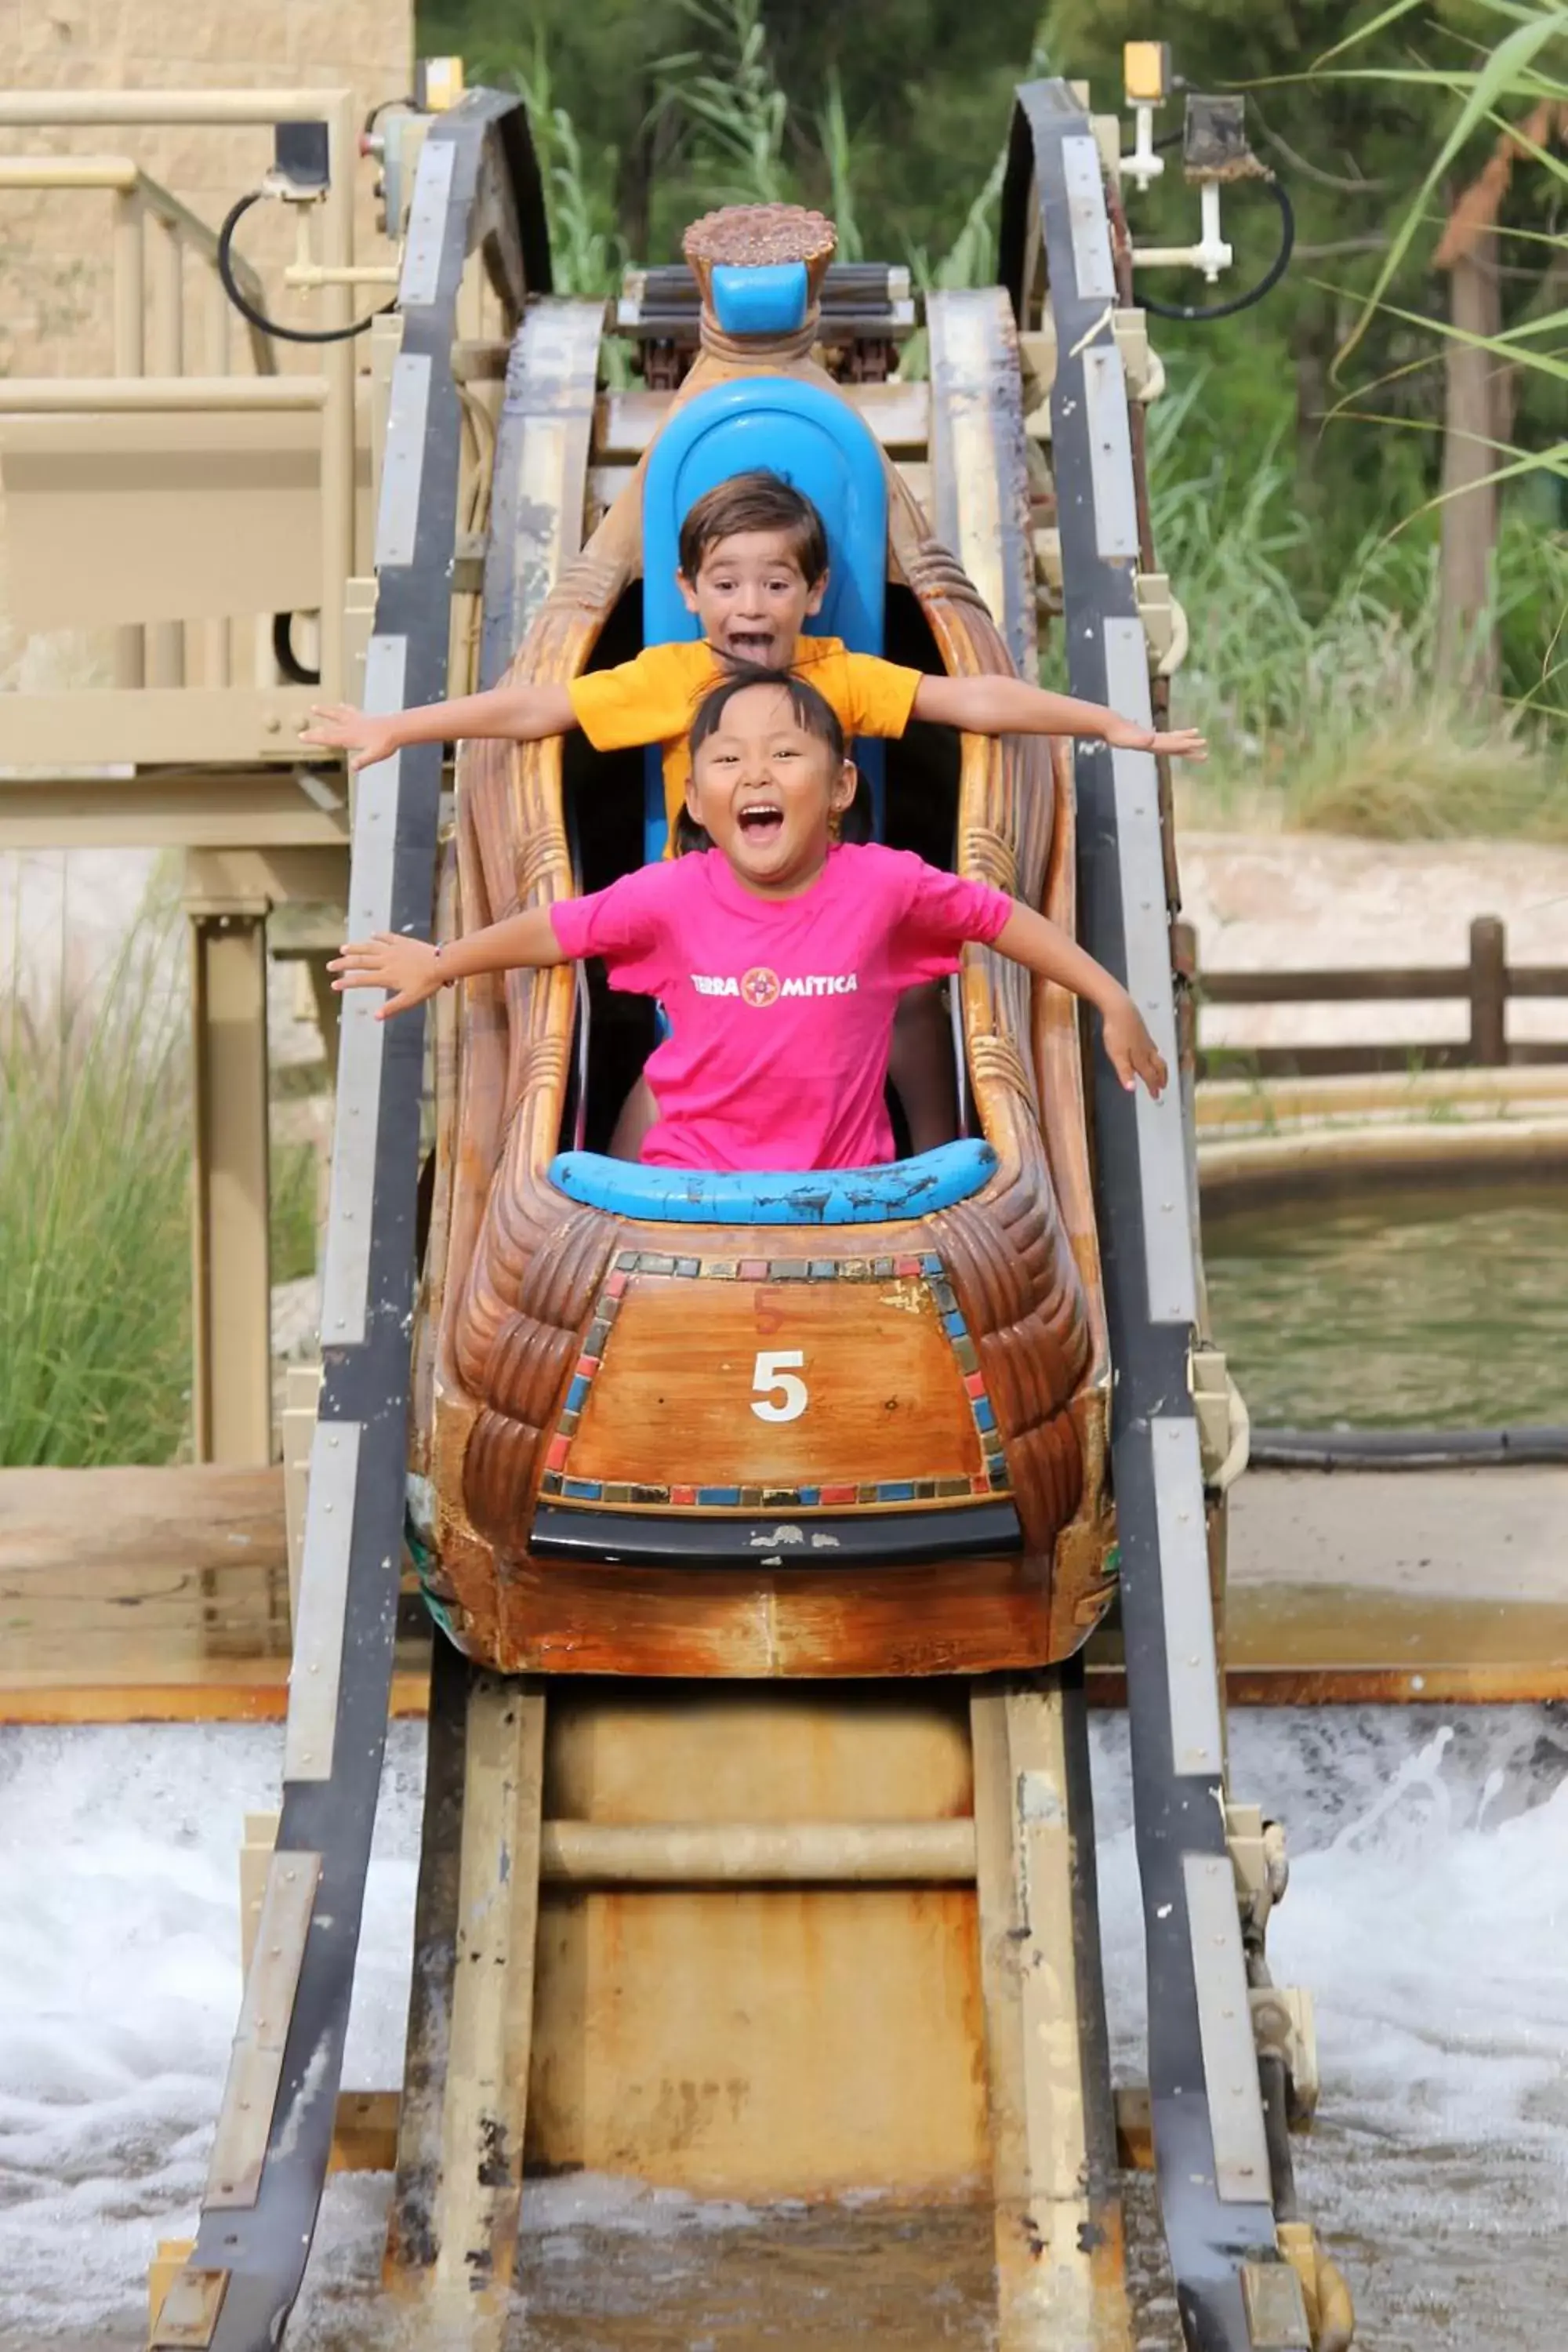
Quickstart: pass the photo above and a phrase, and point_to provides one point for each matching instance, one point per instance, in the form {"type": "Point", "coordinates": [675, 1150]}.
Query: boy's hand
{"type": "Point", "coordinates": [1133, 1053]}
{"type": "Point", "coordinates": [339, 726]}
{"type": "Point", "coordinates": [411, 967]}
{"type": "Point", "coordinates": [1180, 744]}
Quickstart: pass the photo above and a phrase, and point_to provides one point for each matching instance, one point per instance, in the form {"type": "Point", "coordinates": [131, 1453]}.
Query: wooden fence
{"type": "Point", "coordinates": [1486, 984]}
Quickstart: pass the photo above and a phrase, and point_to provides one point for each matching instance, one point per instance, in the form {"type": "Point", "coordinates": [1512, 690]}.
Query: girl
{"type": "Point", "coordinates": [778, 953]}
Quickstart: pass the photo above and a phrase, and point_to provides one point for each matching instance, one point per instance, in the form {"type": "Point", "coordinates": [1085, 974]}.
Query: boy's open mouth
{"type": "Point", "coordinates": [762, 821]}
{"type": "Point", "coordinates": [750, 644]}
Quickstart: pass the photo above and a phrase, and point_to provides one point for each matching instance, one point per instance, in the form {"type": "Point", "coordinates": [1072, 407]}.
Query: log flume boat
{"type": "Point", "coordinates": [789, 1697]}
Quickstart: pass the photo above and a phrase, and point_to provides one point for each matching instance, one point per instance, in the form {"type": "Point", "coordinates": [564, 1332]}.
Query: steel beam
{"type": "Point", "coordinates": [231, 1333]}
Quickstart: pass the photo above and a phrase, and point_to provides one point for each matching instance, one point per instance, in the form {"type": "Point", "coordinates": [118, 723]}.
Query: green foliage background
{"type": "Point", "coordinates": [926, 86]}
{"type": "Point", "coordinates": [1296, 498]}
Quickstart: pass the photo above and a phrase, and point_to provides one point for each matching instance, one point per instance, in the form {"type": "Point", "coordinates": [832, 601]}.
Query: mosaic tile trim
{"type": "Point", "coordinates": [926, 1267]}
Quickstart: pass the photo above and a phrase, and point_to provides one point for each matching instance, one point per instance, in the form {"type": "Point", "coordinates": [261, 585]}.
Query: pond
{"type": "Point", "coordinates": [1401, 1310]}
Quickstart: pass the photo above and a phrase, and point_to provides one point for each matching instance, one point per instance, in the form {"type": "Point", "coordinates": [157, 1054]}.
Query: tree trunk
{"type": "Point", "coordinates": [1475, 403]}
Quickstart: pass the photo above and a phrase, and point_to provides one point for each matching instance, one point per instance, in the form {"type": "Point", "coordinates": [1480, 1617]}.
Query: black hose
{"type": "Point", "coordinates": [1198, 314]}
{"type": "Point", "coordinates": [1405, 1449]}
{"type": "Point", "coordinates": [248, 309]}
{"type": "Point", "coordinates": [384, 106]}
{"type": "Point", "coordinates": [1273, 2082]}
{"type": "Point", "coordinates": [289, 663]}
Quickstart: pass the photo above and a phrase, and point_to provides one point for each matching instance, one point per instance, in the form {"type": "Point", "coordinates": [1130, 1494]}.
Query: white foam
{"type": "Point", "coordinates": [1425, 1911]}
{"type": "Point", "coordinates": [1427, 1902]}
{"type": "Point", "coordinates": [120, 1987]}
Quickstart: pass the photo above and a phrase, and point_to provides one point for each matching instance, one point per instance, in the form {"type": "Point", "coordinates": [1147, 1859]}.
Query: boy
{"type": "Point", "coordinates": [753, 569]}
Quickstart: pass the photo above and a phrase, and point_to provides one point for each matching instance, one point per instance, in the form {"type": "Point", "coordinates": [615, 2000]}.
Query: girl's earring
{"type": "Point", "coordinates": [835, 827]}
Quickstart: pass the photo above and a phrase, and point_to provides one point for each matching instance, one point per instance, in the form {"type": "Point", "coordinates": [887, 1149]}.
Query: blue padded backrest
{"type": "Point", "coordinates": [819, 446]}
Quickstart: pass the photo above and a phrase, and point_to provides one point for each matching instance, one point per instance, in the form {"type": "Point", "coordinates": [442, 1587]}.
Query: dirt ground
{"type": "Point", "coordinates": [1284, 901]}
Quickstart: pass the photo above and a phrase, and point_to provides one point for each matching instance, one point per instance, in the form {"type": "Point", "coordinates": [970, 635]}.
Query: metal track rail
{"type": "Point", "coordinates": [1211, 2150]}
{"type": "Point", "coordinates": [476, 188]}
{"type": "Point", "coordinates": [451, 2239]}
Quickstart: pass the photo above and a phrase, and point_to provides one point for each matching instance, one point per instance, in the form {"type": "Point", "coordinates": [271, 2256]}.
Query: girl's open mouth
{"type": "Point", "coordinates": [763, 821]}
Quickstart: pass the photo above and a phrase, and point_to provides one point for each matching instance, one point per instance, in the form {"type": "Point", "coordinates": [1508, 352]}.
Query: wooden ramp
{"type": "Point", "coordinates": [764, 1942]}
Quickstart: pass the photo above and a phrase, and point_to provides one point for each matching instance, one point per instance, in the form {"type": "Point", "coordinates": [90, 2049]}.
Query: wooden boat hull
{"type": "Point", "coordinates": [587, 1384]}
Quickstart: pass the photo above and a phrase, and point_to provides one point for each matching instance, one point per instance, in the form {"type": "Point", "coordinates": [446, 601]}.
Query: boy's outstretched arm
{"type": "Point", "coordinates": [525, 713]}
{"type": "Point", "coordinates": [1034, 940]}
{"type": "Point", "coordinates": [1008, 705]}
{"type": "Point", "coordinates": [413, 970]}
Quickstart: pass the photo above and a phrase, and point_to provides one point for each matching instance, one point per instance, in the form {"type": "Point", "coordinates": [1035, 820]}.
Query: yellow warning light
{"type": "Point", "coordinates": [441, 81]}
{"type": "Point", "coordinates": [1146, 72]}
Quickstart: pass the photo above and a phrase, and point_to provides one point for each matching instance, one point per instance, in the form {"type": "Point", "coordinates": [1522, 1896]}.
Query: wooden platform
{"type": "Point", "coordinates": [162, 1595]}
{"type": "Point", "coordinates": [151, 1596]}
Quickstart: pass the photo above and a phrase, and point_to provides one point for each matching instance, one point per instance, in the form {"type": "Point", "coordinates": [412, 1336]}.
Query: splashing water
{"type": "Point", "coordinates": [1425, 1912]}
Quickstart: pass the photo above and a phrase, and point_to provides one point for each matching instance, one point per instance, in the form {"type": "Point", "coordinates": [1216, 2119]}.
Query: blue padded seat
{"type": "Point", "coordinates": [825, 1196]}
{"type": "Point", "coordinates": [815, 442]}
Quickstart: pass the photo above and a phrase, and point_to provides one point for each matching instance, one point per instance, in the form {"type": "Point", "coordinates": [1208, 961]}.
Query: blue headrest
{"type": "Point", "coordinates": [817, 443]}
{"type": "Point", "coordinates": [833, 1196]}
{"type": "Point", "coordinates": [764, 298]}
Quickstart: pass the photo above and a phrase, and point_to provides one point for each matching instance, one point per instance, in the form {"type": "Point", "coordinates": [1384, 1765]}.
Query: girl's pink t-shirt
{"type": "Point", "coordinates": [781, 1010]}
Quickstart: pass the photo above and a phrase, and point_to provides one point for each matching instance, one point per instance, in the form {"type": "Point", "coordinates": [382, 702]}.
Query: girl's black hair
{"type": "Point", "coordinates": [814, 714]}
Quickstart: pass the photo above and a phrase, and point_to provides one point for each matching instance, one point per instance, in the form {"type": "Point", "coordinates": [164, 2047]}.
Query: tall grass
{"type": "Point", "coordinates": [838, 145]}
{"type": "Point", "coordinates": [734, 113]}
{"type": "Point", "coordinates": [294, 1211]}
{"type": "Point", "coordinates": [1324, 706]}
{"type": "Point", "coordinates": [586, 257]}
{"type": "Point", "coordinates": [95, 1251]}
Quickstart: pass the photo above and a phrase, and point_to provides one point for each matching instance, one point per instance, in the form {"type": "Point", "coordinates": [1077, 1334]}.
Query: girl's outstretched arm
{"type": "Point", "coordinates": [1034, 940]}
{"type": "Point", "coordinates": [1010, 706]}
{"type": "Point", "coordinates": [524, 713]}
{"type": "Point", "coordinates": [413, 970]}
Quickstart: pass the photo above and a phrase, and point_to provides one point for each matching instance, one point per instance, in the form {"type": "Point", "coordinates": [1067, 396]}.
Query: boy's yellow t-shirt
{"type": "Point", "coordinates": [654, 698]}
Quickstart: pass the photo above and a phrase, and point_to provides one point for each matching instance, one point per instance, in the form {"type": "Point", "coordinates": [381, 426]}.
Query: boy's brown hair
{"type": "Point", "coordinates": [759, 500]}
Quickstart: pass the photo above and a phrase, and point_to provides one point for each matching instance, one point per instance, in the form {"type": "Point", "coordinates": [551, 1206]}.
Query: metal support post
{"type": "Point", "coordinates": [166, 639]}
{"type": "Point", "coordinates": [129, 359]}
{"type": "Point", "coordinates": [339, 364]}
{"type": "Point", "coordinates": [216, 645]}
{"type": "Point", "coordinates": [232, 1338]}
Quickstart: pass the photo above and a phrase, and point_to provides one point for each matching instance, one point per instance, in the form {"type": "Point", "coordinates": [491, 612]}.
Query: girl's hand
{"type": "Point", "coordinates": [339, 726]}
{"type": "Point", "coordinates": [411, 967]}
{"type": "Point", "coordinates": [1180, 744]}
{"type": "Point", "coordinates": [1133, 1053]}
